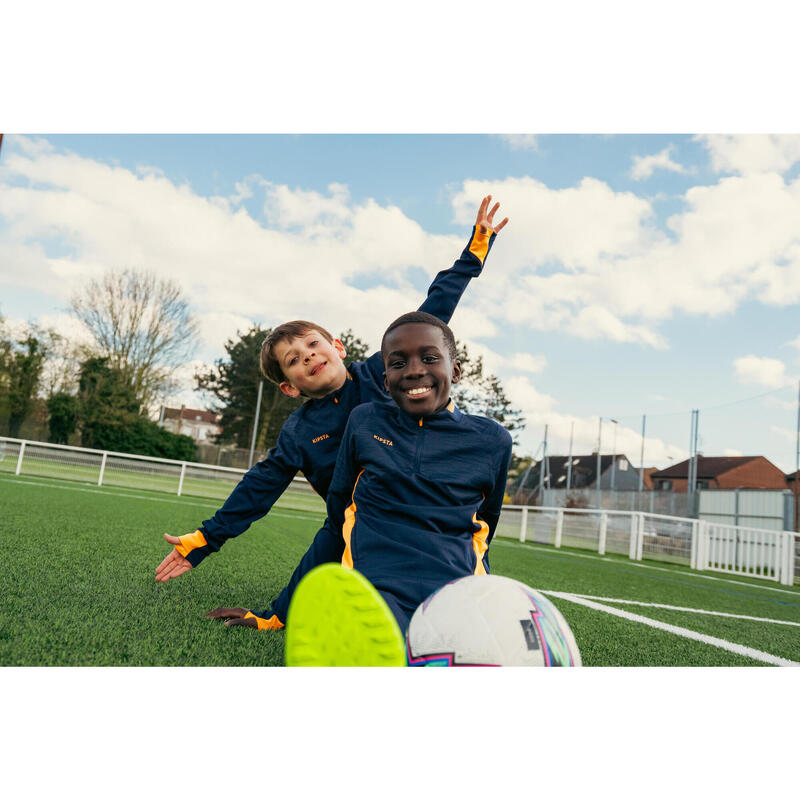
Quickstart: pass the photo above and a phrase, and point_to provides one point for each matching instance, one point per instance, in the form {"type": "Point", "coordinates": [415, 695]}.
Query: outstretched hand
{"type": "Point", "coordinates": [484, 221]}
{"type": "Point", "coordinates": [174, 564]}
{"type": "Point", "coordinates": [233, 616]}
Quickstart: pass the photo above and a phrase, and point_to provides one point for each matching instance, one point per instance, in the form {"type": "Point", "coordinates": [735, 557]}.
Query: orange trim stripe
{"type": "Point", "coordinates": [479, 246]}
{"type": "Point", "coordinates": [189, 542]}
{"type": "Point", "coordinates": [271, 624]}
{"type": "Point", "coordinates": [479, 543]}
{"type": "Point", "coordinates": [347, 528]}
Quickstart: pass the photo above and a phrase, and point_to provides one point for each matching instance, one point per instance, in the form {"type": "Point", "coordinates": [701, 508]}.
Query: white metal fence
{"type": "Point", "coordinates": [699, 544]}
{"type": "Point", "coordinates": [106, 468]}
{"type": "Point", "coordinates": [774, 555]}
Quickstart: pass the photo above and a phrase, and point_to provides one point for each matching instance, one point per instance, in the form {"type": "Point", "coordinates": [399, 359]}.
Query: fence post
{"type": "Point", "coordinates": [640, 538]}
{"type": "Point", "coordinates": [523, 525]}
{"type": "Point", "coordinates": [693, 546]}
{"type": "Point", "coordinates": [634, 534]}
{"type": "Point", "coordinates": [180, 483]}
{"type": "Point", "coordinates": [789, 574]}
{"type": "Point", "coordinates": [559, 526]}
{"type": "Point", "coordinates": [102, 469]}
{"type": "Point", "coordinates": [702, 544]}
{"type": "Point", "coordinates": [19, 460]}
{"type": "Point", "coordinates": [601, 545]}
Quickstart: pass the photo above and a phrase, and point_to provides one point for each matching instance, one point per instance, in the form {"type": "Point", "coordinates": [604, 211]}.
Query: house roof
{"type": "Point", "coordinates": [584, 470]}
{"type": "Point", "coordinates": [707, 466]}
{"type": "Point", "coordinates": [192, 415]}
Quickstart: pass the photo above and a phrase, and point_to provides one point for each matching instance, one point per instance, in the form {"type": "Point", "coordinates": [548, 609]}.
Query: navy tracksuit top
{"type": "Point", "coordinates": [413, 504]}
{"type": "Point", "coordinates": [310, 438]}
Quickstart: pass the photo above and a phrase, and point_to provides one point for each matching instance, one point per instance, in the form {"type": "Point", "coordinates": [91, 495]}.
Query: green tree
{"type": "Point", "coordinates": [21, 363]}
{"type": "Point", "coordinates": [483, 394]}
{"type": "Point", "coordinates": [233, 382]}
{"type": "Point", "coordinates": [110, 419]}
{"type": "Point", "coordinates": [63, 409]}
{"type": "Point", "coordinates": [107, 402]}
{"type": "Point", "coordinates": [357, 349]}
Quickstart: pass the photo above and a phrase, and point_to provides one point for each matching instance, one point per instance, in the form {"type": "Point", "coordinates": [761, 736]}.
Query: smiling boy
{"type": "Point", "coordinates": [305, 360]}
{"type": "Point", "coordinates": [414, 500]}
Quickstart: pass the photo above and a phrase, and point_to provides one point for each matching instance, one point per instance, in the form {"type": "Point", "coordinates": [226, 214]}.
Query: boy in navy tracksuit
{"type": "Point", "coordinates": [305, 360]}
{"type": "Point", "coordinates": [417, 490]}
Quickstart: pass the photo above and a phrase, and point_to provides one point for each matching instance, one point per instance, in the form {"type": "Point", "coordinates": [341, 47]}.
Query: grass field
{"type": "Point", "coordinates": [78, 566]}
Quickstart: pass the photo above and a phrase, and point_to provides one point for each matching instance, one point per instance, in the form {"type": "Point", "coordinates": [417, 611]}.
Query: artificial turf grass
{"type": "Point", "coordinates": [79, 588]}
{"type": "Point", "coordinates": [82, 590]}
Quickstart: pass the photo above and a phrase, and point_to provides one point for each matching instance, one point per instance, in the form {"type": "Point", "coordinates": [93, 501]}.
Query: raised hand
{"type": "Point", "coordinates": [174, 564]}
{"type": "Point", "coordinates": [484, 221]}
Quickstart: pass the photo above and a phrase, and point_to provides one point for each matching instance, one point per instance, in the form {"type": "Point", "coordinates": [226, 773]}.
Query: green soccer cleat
{"type": "Point", "coordinates": [338, 619]}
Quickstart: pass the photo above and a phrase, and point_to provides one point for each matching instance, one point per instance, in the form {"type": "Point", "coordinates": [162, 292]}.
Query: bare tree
{"type": "Point", "coordinates": [142, 324]}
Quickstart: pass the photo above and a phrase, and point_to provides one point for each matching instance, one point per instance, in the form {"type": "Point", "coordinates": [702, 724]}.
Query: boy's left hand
{"type": "Point", "coordinates": [484, 221]}
{"type": "Point", "coordinates": [233, 616]}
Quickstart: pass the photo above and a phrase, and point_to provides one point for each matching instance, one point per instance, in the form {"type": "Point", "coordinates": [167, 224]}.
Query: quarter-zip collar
{"type": "Point", "coordinates": [448, 414]}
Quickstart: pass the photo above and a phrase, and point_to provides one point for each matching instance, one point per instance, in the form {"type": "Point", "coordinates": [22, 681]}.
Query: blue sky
{"type": "Point", "coordinates": [640, 274]}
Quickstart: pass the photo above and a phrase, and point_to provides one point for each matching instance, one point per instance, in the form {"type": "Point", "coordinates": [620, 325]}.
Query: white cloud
{"type": "Point", "coordinates": [729, 451]}
{"type": "Point", "coordinates": [590, 262]}
{"type": "Point", "coordinates": [521, 141]}
{"type": "Point", "coordinates": [68, 218]}
{"type": "Point", "coordinates": [747, 153]}
{"type": "Point", "coordinates": [768, 372]}
{"type": "Point", "coordinates": [526, 362]}
{"type": "Point", "coordinates": [644, 166]}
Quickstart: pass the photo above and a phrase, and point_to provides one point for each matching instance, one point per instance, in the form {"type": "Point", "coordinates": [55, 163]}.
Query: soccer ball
{"type": "Point", "coordinates": [489, 620]}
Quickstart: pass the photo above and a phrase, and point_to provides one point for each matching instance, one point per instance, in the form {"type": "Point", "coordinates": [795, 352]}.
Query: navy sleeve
{"type": "Point", "coordinates": [491, 507]}
{"type": "Point", "coordinates": [253, 496]}
{"type": "Point", "coordinates": [328, 544]}
{"type": "Point", "coordinates": [446, 289]}
{"type": "Point", "coordinates": [448, 286]}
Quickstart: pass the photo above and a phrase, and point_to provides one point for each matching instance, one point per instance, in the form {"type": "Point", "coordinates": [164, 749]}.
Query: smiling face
{"type": "Point", "coordinates": [419, 368]}
{"type": "Point", "coordinates": [311, 364]}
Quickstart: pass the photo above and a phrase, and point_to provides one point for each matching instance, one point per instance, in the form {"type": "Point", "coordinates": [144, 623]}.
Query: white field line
{"type": "Point", "coordinates": [724, 644]}
{"type": "Point", "coordinates": [175, 501]}
{"type": "Point", "coordinates": [554, 551]}
{"type": "Point", "coordinates": [682, 608]}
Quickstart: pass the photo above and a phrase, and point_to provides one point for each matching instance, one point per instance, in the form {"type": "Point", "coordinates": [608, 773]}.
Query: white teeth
{"type": "Point", "coordinates": [421, 390]}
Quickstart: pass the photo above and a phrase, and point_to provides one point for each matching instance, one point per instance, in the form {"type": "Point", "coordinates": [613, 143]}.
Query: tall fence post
{"type": "Point", "coordinates": [19, 460]}
{"type": "Point", "coordinates": [559, 527]}
{"type": "Point", "coordinates": [634, 536]}
{"type": "Point", "coordinates": [102, 469]}
{"type": "Point", "coordinates": [693, 547]}
{"type": "Point", "coordinates": [640, 538]}
{"type": "Point", "coordinates": [789, 573]}
{"type": "Point", "coordinates": [702, 544]}
{"type": "Point", "coordinates": [601, 545]}
{"type": "Point", "coordinates": [180, 482]}
{"type": "Point", "coordinates": [523, 525]}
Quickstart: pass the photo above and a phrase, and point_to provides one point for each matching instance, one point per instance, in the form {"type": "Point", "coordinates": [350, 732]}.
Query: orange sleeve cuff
{"type": "Point", "coordinates": [271, 624]}
{"type": "Point", "coordinates": [479, 246]}
{"type": "Point", "coordinates": [189, 542]}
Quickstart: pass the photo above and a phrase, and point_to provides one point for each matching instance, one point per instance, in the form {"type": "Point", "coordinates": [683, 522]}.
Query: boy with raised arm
{"type": "Point", "coordinates": [413, 504]}
{"type": "Point", "coordinates": [305, 360]}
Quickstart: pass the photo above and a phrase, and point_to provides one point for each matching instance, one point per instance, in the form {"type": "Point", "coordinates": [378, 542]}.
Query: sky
{"type": "Point", "coordinates": [638, 275]}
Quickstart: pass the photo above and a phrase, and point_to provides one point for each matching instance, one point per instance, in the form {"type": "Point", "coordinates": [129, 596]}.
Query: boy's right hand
{"type": "Point", "coordinates": [484, 222]}
{"type": "Point", "coordinates": [174, 564]}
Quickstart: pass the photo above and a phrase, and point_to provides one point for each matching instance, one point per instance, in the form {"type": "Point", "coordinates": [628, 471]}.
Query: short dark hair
{"type": "Point", "coordinates": [285, 333]}
{"type": "Point", "coordinates": [426, 319]}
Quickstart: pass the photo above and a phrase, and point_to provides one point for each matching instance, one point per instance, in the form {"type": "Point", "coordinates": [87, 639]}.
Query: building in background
{"type": "Point", "coordinates": [721, 472]}
{"type": "Point", "coordinates": [201, 425]}
{"type": "Point", "coordinates": [576, 473]}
